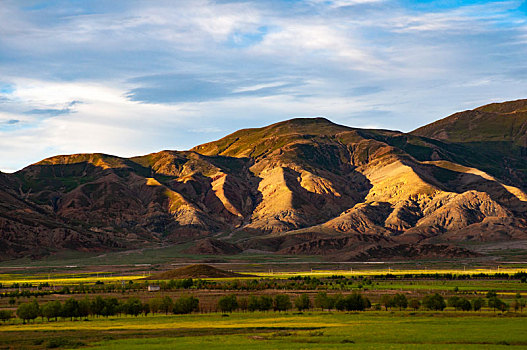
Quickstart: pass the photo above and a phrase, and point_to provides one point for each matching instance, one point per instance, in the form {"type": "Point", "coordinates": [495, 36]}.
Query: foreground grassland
{"type": "Point", "coordinates": [311, 330]}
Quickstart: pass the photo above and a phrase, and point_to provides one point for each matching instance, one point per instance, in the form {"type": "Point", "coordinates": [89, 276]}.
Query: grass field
{"type": "Point", "coordinates": [65, 279]}
{"type": "Point", "coordinates": [106, 276]}
{"type": "Point", "coordinates": [383, 271]}
{"type": "Point", "coordinates": [371, 329]}
{"type": "Point", "coordinates": [313, 330]}
{"type": "Point", "coordinates": [150, 255]}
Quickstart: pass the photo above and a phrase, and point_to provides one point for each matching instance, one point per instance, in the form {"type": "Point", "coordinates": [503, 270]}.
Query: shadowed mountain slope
{"type": "Point", "coordinates": [30, 229]}
{"type": "Point", "coordinates": [304, 185]}
{"type": "Point", "coordinates": [492, 138]}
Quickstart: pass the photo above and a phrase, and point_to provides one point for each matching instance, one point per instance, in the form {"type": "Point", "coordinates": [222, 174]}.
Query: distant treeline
{"type": "Point", "coordinates": [335, 282]}
{"type": "Point", "coordinates": [521, 276]}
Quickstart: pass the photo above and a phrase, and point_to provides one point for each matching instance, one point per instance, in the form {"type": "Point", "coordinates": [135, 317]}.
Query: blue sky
{"type": "Point", "coordinates": [134, 77]}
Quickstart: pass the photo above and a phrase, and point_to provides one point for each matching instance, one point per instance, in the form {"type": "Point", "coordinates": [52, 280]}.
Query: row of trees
{"type": "Point", "coordinates": [352, 302]}
{"type": "Point", "coordinates": [111, 306]}
{"type": "Point", "coordinates": [105, 307]}
{"type": "Point", "coordinates": [521, 276]}
{"type": "Point", "coordinates": [282, 302]}
{"type": "Point", "coordinates": [358, 302]}
{"type": "Point", "coordinates": [438, 303]}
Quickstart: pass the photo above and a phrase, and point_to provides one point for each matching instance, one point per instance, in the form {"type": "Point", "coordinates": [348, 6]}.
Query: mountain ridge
{"type": "Point", "coordinates": [288, 187]}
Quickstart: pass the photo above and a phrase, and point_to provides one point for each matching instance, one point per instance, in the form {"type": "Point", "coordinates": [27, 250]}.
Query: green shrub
{"type": "Point", "coordinates": [133, 306]}
{"type": "Point", "coordinates": [498, 304]}
{"type": "Point", "coordinates": [323, 301]}
{"type": "Point", "coordinates": [186, 305]}
{"type": "Point", "coordinates": [265, 303]}
{"type": "Point", "coordinates": [228, 303]}
{"type": "Point", "coordinates": [302, 302]}
{"type": "Point", "coordinates": [478, 303]}
{"type": "Point", "coordinates": [434, 302]}
{"type": "Point", "coordinates": [52, 309]}
{"type": "Point", "coordinates": [28, 311]}
{"type": "Point", "coordinates": [352, 302]}
{"type": "Point", "coordinates": [282, 302]}
{"type": "Point", "coordinates": [414, 304]}
{"type": "Point", "coordinates": [6, 315]}
{"type": "Point", "coordinates": [400, 301]}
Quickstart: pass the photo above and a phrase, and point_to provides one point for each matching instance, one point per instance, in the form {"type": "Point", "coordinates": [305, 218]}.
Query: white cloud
{"type": "Point", "coordinates": [381, 64]}
{"type": "Point", "coordinates": [298, 40]}
{"type": "Point", "coordinates": [107, 122]}
{"type": "Point", "coordinates": [259, 87]}
{"type": "Point", "coordinates": [342, 3]}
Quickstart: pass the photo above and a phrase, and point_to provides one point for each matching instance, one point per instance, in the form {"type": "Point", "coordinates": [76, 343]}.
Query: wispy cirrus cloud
{"type": "Point", "coordinates": [174, 88]}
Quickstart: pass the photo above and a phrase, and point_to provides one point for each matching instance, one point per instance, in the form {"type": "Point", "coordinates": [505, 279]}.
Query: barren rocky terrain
{"type": "Point", "coordinates": [302, 186]}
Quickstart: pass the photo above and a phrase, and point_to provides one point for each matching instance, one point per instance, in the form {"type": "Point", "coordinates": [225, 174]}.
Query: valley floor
{"type": "Point", "coordinates": [260, 330]}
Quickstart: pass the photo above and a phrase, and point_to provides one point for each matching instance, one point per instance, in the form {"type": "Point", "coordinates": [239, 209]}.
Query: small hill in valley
{"type": "Point", "coordinates": [195, 271]}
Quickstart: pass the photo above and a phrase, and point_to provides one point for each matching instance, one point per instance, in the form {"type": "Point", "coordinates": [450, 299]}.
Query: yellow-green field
{"type": "Point", "coordinates": [313, 330]}
{"type": "Point", "coordinates": [65, 279]}
{"type": "Point", "coordinates": [377, 272]}
{"type": "Point", "coordinates": [75, 278]}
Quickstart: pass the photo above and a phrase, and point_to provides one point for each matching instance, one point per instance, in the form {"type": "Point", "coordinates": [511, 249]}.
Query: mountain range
{"type": "Point", "coordinates": [301, 186]}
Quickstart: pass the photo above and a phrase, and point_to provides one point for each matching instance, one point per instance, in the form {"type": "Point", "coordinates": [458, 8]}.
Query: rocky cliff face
{"type": "Point", "coordinates": [299, 186]}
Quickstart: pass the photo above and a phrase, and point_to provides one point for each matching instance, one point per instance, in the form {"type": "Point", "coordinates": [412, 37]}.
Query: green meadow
{"type": "Point", "coordinates": [272, 330]}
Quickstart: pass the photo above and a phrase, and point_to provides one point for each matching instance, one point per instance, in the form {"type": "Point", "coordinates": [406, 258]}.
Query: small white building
{"type": "Point", "coordinates": [153, 288]}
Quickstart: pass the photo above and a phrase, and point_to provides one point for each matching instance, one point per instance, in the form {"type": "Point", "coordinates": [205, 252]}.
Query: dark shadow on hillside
{"type": "Point", "coordinates": [501, 159]}
{"type": "Point", "coordinates": [460, 182]}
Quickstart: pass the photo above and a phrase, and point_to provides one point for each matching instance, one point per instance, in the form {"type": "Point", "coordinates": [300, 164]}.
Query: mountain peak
{"type": "Point", "coordinates": [505, 107]}
{"type": "Point", "coordinates": [496, 122]}
{"type": "Point", "coordinates": [305, 121]}
{"type": "Point", "coordinates": [97, 159]}
{"type": "Point", "coordinates": [257, 140]}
